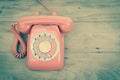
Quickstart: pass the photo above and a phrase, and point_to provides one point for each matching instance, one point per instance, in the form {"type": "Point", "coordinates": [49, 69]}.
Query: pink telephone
{"type": "Point", "coordinates": [45, 46]}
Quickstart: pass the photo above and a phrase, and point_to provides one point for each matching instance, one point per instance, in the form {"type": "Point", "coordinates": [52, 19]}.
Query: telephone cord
{"type": "Point", "coordinates": [18, 39]}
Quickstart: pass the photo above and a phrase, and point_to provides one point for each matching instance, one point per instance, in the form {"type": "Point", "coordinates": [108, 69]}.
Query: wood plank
{"type": "Point", "coordinates": [89, 66]}
{"type": "Point", "coordinates": [78, 11]}
{"type": "Point", "coordinates": [90, 1]}
{"type": "Point", "coordinates": [85, 37]}
{"type": "Point", "coordinates": [94, 3]}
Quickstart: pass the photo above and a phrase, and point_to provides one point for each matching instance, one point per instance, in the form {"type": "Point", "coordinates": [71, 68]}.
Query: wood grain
{"type": "Point", "coordinates": [89, 66]}
{"type": "Point", "coordinates": [77, 10]}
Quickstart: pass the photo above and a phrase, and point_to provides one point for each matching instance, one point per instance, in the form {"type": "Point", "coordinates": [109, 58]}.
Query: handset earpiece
{"type": "Point", "coordinates": [65, 28]}
{"type": "Point", "coordinates": [24, 28]}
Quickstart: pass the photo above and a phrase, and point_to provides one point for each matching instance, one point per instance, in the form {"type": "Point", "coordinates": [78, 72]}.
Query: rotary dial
{"type": "Point", "coordinates": [45, 46]}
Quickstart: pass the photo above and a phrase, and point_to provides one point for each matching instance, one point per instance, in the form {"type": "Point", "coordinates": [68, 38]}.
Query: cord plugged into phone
{"type": "Point", "coordinates": [45, 44]}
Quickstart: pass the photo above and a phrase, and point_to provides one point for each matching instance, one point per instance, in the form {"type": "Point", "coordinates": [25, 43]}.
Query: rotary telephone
{"type": "Point", "coordinates": [45, 44]}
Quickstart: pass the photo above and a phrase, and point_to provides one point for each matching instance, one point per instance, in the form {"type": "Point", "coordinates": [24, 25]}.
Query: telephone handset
{"type": "Point", "coordinates": [45, 44]}
{"type": "Point", "coordinates": [63, 23]}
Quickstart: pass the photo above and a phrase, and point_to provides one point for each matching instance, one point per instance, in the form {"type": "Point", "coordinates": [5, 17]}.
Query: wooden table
{"type": "Point", "coordinates": [92, 49]}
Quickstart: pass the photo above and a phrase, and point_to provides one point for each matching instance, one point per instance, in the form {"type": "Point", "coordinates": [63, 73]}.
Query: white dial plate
{"type": "Point", "coordinates": [41, 46]}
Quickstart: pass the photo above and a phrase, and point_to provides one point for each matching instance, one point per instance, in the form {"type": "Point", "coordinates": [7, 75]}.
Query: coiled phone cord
{"type": "Point", "coordinates": [18, 39]}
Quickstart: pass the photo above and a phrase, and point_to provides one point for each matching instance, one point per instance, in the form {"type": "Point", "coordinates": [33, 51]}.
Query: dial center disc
{"type": "Point", "coordinates": [45, 46]}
